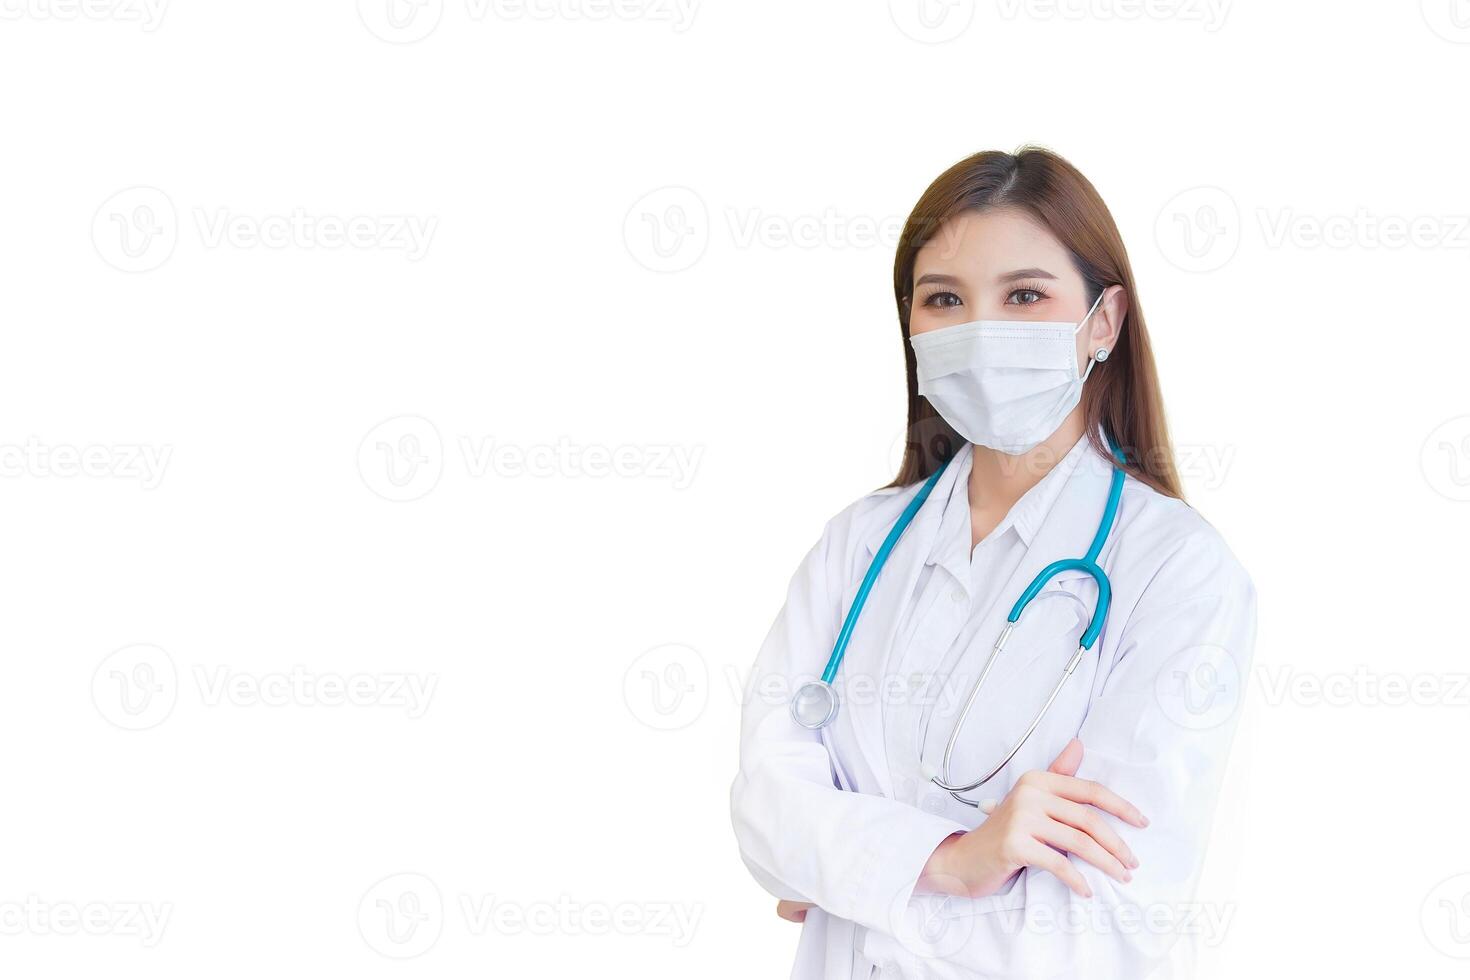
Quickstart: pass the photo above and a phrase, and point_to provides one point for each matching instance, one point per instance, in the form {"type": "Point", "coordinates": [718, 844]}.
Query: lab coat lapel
{"type": "Point", "coordinates": [871, 652]}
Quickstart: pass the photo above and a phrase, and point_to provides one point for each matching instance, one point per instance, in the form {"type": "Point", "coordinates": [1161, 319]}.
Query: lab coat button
{"type": "Point", "coordinates": [959, 595]}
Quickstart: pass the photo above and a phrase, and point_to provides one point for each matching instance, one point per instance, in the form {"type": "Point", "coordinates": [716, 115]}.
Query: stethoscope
{"type": "Point", "coordinates": [815, 702]}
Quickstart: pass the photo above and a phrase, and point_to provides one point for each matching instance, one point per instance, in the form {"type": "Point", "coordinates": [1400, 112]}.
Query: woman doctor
{"type": "Point", "coordinates": [1030, 376]}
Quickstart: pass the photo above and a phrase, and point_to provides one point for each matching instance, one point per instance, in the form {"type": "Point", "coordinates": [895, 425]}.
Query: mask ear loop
{"type": "Point", "coordinates": [1095, 304]}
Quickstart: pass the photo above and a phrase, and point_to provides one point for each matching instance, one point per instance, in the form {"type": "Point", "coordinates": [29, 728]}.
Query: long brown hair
{"type": "Point", "coordinates": [1121, 398]}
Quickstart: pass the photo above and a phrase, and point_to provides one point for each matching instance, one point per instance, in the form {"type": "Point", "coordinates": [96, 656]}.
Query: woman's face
{"type": "Point", "coordinates": [1001, 264]}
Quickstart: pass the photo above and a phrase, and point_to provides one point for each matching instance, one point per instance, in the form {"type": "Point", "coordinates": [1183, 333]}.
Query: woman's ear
{"type": "Point", "coordinates": [1107, 322]}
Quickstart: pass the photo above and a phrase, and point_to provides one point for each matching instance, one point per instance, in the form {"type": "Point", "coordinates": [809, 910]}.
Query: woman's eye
{"type": "Point", "coordinates": [1024, 297]}
{"type": "Point", "coordinates": [942, 300]}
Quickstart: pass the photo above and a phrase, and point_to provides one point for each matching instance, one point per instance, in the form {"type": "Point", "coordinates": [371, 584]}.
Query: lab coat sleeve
{"type": "Point", "coordinates": [803, 838]}
{"type": "Point", "coordinates": [1158, 733]}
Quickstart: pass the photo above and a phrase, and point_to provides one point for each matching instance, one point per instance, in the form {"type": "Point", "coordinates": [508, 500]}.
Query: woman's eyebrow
{"type": "Point", "coordinates": [1024, 274]}
{"type": "Point", "coordinates": [939, 277]}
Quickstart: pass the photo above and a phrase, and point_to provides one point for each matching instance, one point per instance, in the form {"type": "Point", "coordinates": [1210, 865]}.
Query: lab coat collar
{"type": "Point", "coordinates": [1035, 504]}
{"type": "Point", "coordinates": [950, 525]}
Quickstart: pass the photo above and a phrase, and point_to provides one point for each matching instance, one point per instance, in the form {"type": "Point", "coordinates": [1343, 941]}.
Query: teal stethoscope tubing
{"type": "Point", "coordinates": [815, 703]}
{"type": "Point", "coordinates": [1087, 563]}
{"type": "Point", "coordinates": [879, 560]}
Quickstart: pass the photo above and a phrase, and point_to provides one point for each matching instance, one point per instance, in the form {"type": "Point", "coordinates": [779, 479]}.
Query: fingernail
{"type": "Point", "coordinates": [1134, 860]}
{"type": "Point", "coordinates": [1127, 877]}
{"type": "Point", "coordinates": [1144, 819]}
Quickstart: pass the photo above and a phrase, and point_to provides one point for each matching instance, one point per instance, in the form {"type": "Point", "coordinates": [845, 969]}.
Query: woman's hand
{"type": "Point", "coordinates": [792, 911]}
{"type": "Point", "coordinates": [1044, 810]}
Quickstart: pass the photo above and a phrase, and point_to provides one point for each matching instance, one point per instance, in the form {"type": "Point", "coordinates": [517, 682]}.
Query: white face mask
{"type": "Point", "coordinates": [1006, 384]}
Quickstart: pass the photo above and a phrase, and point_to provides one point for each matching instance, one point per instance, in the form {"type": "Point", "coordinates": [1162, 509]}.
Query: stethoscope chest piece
{"type": "Point", "coordinates": [815, 705]}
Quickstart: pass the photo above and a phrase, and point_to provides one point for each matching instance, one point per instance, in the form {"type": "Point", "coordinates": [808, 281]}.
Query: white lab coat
{"type": "Point", "coordinates": [846, 820]}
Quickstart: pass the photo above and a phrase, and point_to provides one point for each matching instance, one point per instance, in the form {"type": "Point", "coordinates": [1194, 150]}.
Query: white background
{"type": "Point", "coordinates": [664, 233]}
